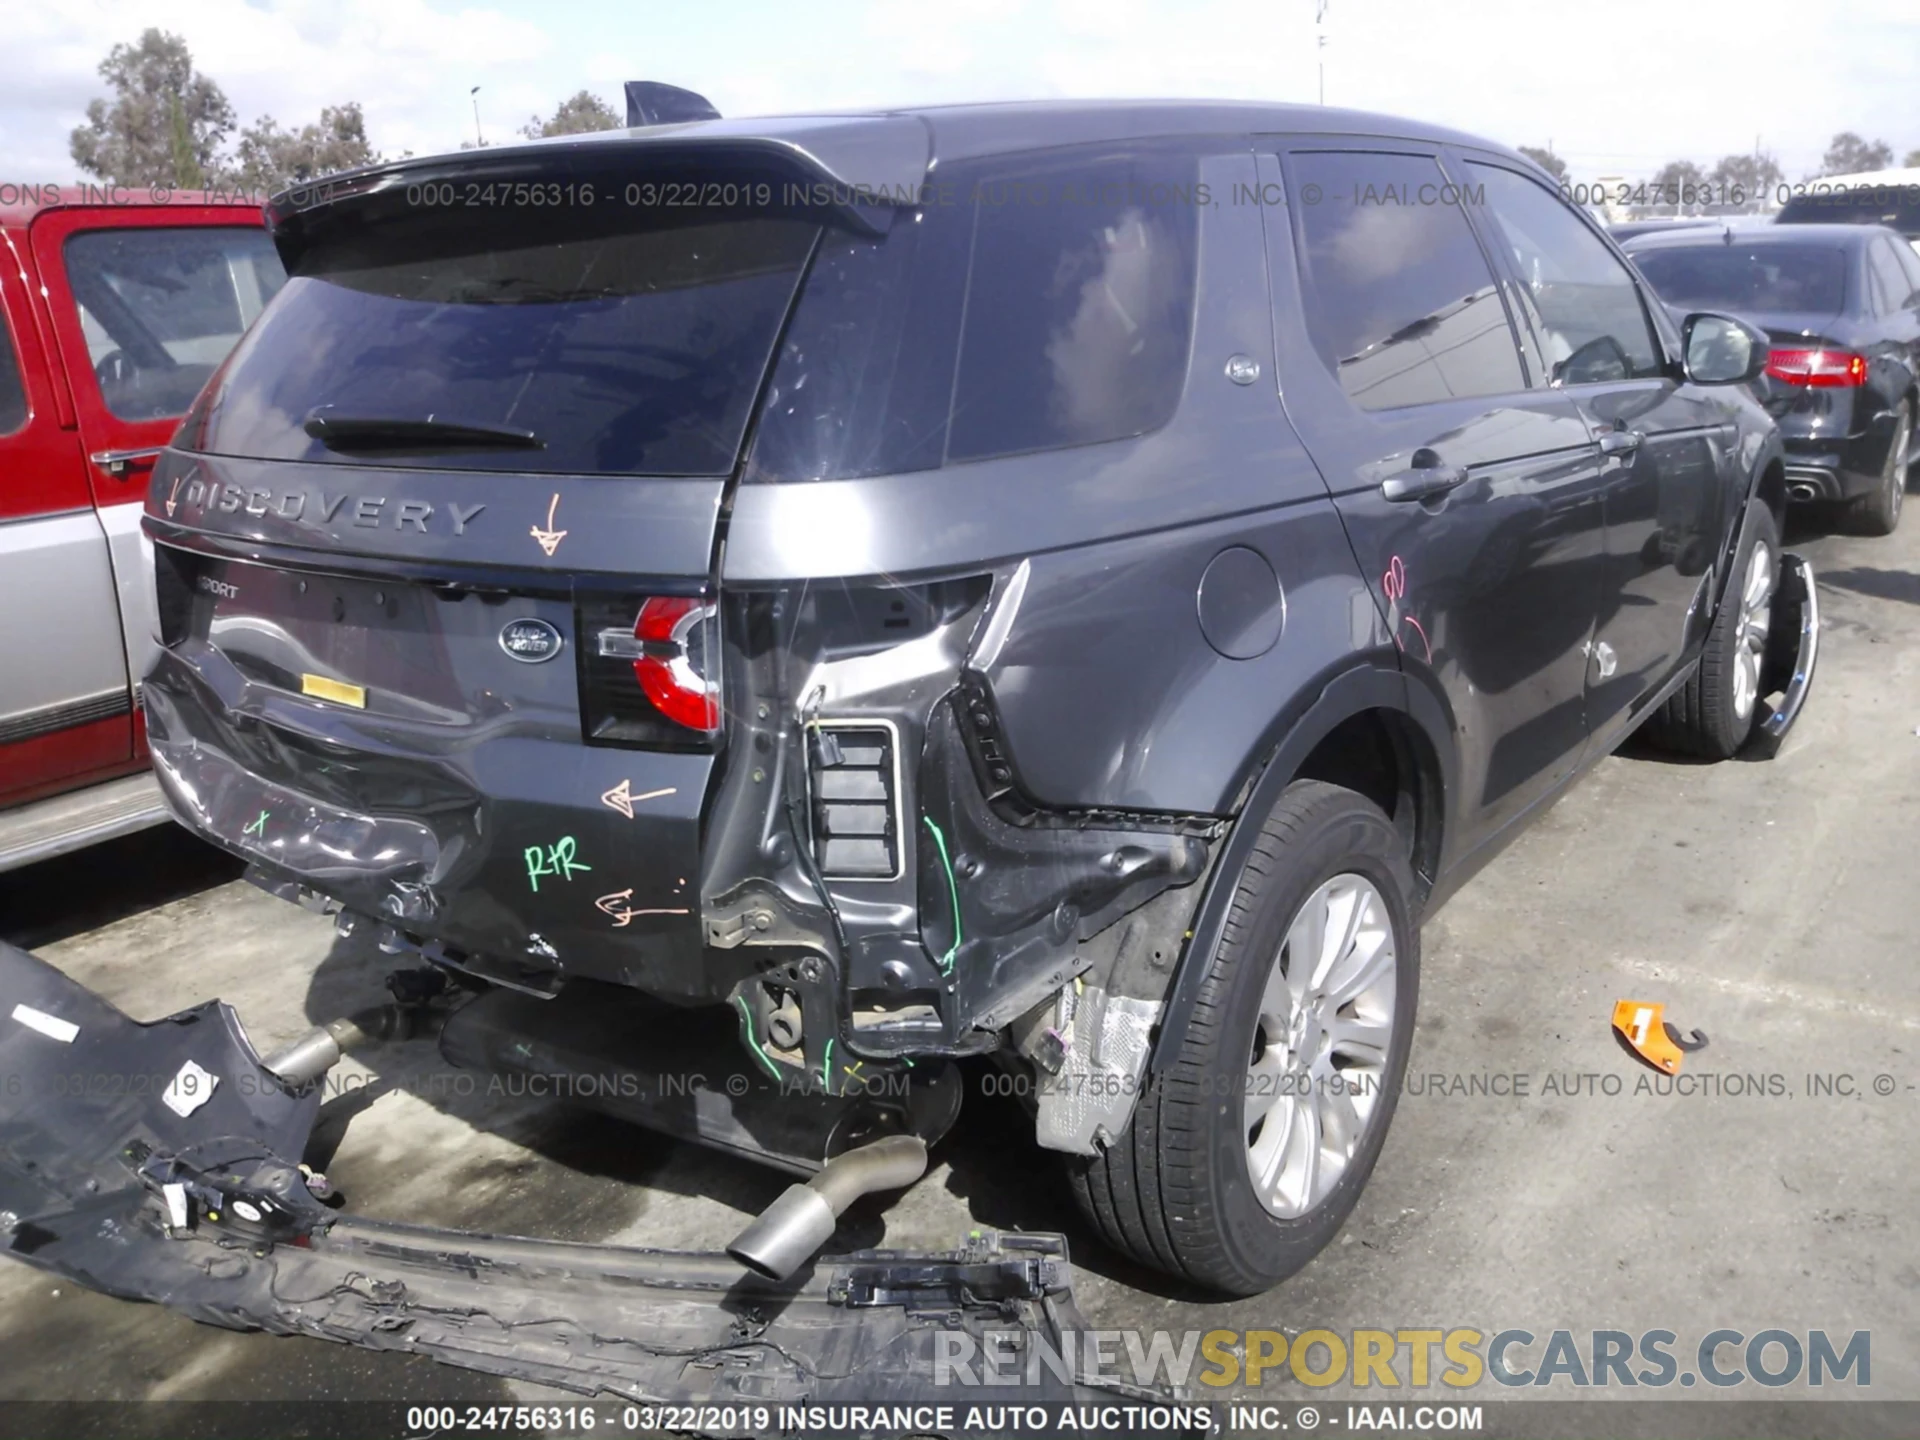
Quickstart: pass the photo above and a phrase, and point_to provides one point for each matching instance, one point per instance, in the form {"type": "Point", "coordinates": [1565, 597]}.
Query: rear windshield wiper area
{"type": "Point", "coordinates": [365, 434]}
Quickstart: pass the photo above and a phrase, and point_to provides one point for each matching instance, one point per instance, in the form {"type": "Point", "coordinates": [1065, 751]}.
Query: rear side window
{"type": "Point", "coordinates": [1770, 277]}
{"type": "Point", "coordinates": [1581, 301]}
{"type": "Point", "coordinates": [1400, 301]}
{"type": "Point", "coordinates": [13, 399]}
{"type": "Point", "coordinates": [1079, 306]}
{"type": "Point", "coordinates": [160, 308]}
{"type": "Point", "coordinates": [1030, 304]}
{"type": "Point", "coordinates": [615, 339]}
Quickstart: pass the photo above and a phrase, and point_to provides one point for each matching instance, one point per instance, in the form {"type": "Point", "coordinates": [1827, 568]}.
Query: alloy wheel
{"type": "Point", "coordinates": [1756, 614]}
{"type": "Point", "coordinates": [1896, 476]}
{"type": "Point", "coordinates": [1320, 1048]}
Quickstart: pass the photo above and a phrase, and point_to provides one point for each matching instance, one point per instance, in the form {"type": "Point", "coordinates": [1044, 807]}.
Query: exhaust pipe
{"type": "Point", "coordinates": [305, 1060]}
{"type": "Point", "coordinates": [788, 1232]}
{"type": "Point", "coordinates": [1801, 491]}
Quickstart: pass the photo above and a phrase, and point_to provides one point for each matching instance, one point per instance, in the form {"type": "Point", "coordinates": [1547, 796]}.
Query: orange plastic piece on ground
{"type": "Point", "coordinates": [1639, 1024]}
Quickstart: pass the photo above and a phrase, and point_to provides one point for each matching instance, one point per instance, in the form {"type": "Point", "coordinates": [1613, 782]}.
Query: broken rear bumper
{"type": "Point", "coordinates": [159, 1161]}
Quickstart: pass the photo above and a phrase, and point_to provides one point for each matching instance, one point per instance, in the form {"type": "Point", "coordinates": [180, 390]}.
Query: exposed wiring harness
{"type": "Point", "coordinates": [953, 890]}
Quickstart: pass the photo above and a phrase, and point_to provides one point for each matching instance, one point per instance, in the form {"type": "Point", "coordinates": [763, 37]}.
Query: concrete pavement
{"type": "Point", "coordinates": [1769, 905]}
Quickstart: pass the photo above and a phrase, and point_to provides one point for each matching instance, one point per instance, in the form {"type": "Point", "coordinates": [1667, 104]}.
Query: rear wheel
{"type": "Point", "coordinates": [1247, 1154]}
{"type": "Point", "coordinates": [1713, 713]}
{"type": "Point", "coordinates": [1878, 511]}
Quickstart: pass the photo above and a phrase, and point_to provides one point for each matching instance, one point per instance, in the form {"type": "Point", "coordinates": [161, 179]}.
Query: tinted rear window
{"type": "Point", "coordinates": [628, 340]}
{"type": "Point", "coordinates": [1032, 304]}
{"type": "Point", "coordinates": [1776, 277]}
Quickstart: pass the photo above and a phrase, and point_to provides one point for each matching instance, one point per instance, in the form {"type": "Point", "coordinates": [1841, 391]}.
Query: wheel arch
{"type": "Point", "coordinates": [1372, 730]}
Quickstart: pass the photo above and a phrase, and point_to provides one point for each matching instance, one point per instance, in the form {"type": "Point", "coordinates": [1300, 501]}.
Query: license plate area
{"type": "Point", "coordinates": [393, 648]}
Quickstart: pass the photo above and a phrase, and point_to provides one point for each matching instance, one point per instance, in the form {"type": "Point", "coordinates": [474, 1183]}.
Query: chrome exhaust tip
{"type": "Point", "coordinates": [789, 1232]}
{"type": "Point", "coordinates": [307, 1059]}
{"type": "Point", "coordinates": [1802, 491]}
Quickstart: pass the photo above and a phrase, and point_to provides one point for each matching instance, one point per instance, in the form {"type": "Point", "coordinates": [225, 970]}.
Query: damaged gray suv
{"type": "Point", "coordinates": [772, 609]}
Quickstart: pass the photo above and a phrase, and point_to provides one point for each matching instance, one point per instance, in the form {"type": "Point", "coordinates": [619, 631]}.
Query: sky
{"type": "Point", "coordinates": [1617, 88]}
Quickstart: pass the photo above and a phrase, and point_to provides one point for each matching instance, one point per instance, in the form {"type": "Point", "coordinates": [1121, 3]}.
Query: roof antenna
{"type": "Point", "coordinates": [651, 103]}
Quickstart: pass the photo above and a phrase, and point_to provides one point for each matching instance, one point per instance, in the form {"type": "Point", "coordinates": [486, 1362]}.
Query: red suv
{"type": "Point", "coordinates": [115, 307]}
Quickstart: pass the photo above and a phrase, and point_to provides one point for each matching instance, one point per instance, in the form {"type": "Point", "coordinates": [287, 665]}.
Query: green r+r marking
{"type": "Point", "coordinates": [554, 859]}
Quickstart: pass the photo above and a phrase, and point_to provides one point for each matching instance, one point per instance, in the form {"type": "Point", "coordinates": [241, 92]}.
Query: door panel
{"type": "Point", "coordinates": [1665, 502]}
{"type": "Point", "coordinates": [63, 680]}
{"type": "Point", "coordinates": [1487, 588]}
{"type": "Point", "coordinates": [1667, 448]}
{"type": "Point", "coordinates": [146, 302]}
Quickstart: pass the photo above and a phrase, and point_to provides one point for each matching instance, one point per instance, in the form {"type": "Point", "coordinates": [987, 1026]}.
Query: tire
{"type": "Point", "coordinates": [1878, 511]}
{"type": "Point", "coordinates": [1713, 714]}
{"type": "Point", "coordinates": [1177, 1190]}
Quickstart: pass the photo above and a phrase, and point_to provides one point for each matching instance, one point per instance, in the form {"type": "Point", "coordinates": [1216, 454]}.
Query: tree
{"type": "Point", "coordinates": [1679, 185]}
{"type": "Point", "coordinates": [1912, 162]}
{"type": "Point", "coordinates": [270, 158]}
{"type": "Point", "coordinates": [1848, 154]}
{"type": "Point", "coordinates": [165, 124]}
{"type": "Point", "coordinates": [578, 115]}
{"type": "Point", "coordinates": [1547, 161]}
{"type": "Point", "coordinates": [1746, 181]}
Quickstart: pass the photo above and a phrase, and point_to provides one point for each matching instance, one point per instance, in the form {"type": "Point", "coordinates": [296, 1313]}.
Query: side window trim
{"type": "Point", "coordinates": [1494, 238]}
{"type": "Point", "coordinates": [1285, 147]}
{"type": "Point", "coordinates": [1533, 352]}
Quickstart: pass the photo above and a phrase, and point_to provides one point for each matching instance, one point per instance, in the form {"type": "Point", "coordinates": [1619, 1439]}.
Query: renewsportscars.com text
{"type": "Point", "coordinates": [1410, 1358]}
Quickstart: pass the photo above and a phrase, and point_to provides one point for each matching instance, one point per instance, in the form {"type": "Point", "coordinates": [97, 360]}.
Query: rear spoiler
{"type": "Point", "coordinates": [651, 103]}
{"type": "Point", "coordinates": [861, 166]}
{"type": "Point", "coordinates": [160, 1162]}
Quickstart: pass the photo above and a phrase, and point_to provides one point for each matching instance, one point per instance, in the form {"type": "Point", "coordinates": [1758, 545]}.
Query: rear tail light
{"type": "Point", "coordinates": [650, 670]}
{"type": "Point", "coordinates": [1820, 369]}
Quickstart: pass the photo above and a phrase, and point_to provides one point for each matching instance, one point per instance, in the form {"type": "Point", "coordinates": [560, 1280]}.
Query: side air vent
{"type": "Point", "coordinates": [854, 775]}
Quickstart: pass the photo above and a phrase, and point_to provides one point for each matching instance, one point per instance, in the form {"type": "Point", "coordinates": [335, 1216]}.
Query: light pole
{"type": "Point", "coordinates": [478, 139]}
{"type": "Point", "coordinates": [1320, 37]}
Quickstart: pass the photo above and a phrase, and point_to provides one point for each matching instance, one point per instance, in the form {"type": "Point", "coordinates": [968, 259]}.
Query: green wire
{"type": "Point", "coordinates": [826, 1067]}
{"type": "Point", "coordinates": [953, 889]}
{"type": "Point", "coordinates": [753, 1044]}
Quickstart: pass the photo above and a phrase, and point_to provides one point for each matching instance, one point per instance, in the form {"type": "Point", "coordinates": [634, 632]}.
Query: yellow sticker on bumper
{"type": "Point", "coordinates": [337, 691]}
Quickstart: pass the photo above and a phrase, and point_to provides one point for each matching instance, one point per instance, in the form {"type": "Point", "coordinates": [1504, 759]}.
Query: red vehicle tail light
{"type": "Point", "coordinates": [1820, 369]}
{"type": "Point", "coordinates": [671, 672]}
{"type": "Point", "coordinates": [650, 670]}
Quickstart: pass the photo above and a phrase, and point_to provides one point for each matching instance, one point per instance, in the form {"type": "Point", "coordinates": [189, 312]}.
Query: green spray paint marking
{"type": "Point", "coordinates": [555, 859]}
{"type": "Point", "coordinates": [746, 1017]}
{"type": "Point", "coordinates": [940, 843]}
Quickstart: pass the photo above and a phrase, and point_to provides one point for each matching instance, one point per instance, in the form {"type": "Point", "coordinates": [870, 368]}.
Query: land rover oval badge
{"type": "Point", "coordinates": [530, 641]}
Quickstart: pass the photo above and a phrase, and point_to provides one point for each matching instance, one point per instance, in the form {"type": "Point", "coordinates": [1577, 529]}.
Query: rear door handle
{"type": "Point", "coordinates": [1423, 482]}
{"type": "Point", "coordinates": [121, 463]}
{"type": "Point", "coordinates": [1619, 442]}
